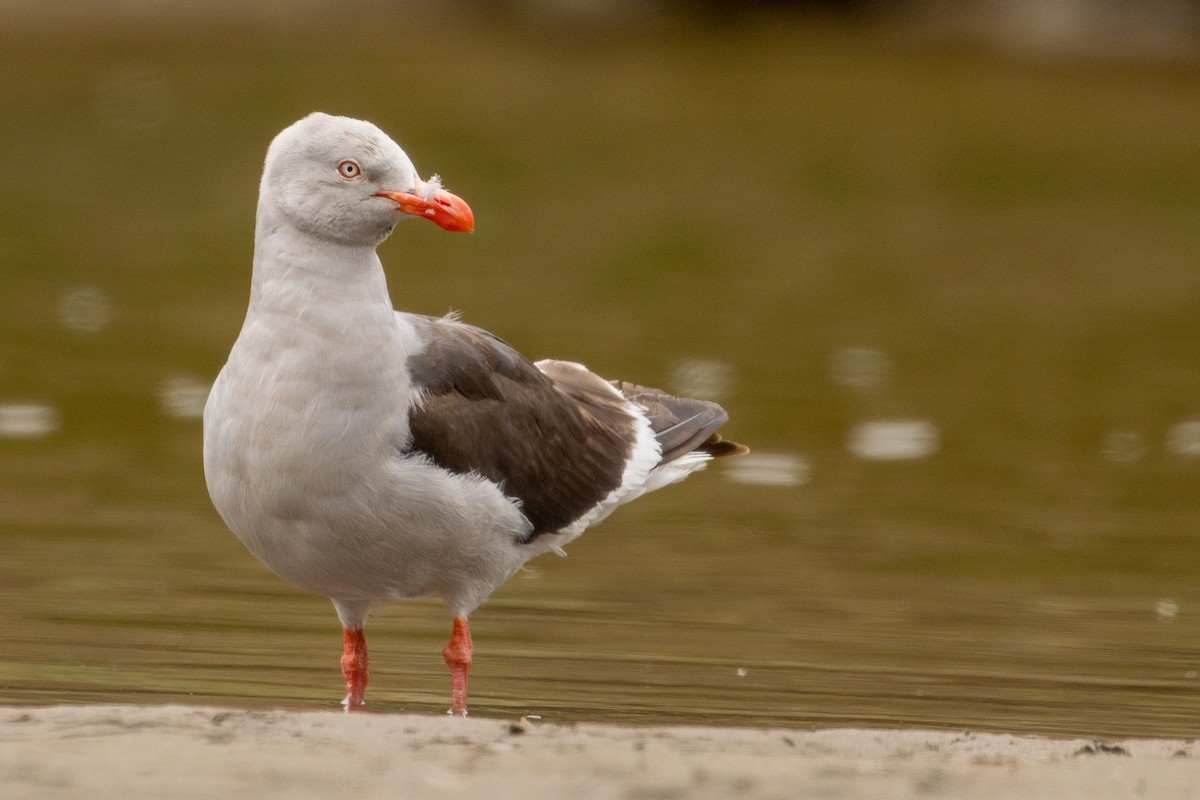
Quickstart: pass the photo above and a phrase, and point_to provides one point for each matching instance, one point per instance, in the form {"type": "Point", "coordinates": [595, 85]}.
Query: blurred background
{"type": "Point", "coordinates": [938, 260]}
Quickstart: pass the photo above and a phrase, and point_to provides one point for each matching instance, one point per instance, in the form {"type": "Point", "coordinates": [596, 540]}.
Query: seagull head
{"type": "Point", "coordinates": [345, 180]}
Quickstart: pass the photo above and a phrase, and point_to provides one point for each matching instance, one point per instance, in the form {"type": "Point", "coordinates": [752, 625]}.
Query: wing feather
{"type": "Point", "coordinates": [557, 449]}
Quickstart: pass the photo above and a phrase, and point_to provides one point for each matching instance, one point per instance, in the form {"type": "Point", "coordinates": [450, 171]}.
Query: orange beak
{"type": "Point", "coordinates": [447, 210]}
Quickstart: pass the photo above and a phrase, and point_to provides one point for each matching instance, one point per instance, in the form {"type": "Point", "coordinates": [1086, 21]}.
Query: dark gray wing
{"type": "Point", "coordinates": [682, 425]}
{"type": "Point", "coordinates": [558, 446]}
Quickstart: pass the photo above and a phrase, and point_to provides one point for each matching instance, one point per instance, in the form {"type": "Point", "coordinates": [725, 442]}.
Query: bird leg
{"type": "Point", "coordinates": [354, 668]}
{"type": "Point", "coordinates": [458, 659]}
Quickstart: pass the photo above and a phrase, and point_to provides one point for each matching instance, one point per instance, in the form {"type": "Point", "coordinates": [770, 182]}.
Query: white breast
{"type": "Point", "coordinates": [304, 431]}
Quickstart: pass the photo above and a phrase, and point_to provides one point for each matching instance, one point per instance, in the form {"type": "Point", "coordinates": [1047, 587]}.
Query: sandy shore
{"type": "Point", "coordinates": [183, 752]}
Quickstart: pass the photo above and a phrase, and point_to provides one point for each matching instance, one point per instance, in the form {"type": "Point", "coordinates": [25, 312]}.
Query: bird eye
{"type": "Point", "coordinates": [349, 169]}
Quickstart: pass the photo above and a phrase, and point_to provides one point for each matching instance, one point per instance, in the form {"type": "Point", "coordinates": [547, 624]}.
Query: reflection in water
{"type": "Point", "coordinates": [1123, 447]}
{"type": "Point", "coordinates": [1184, 438]}
{"type": "Point", "coordinates": [1166, 610]}
{"type": "Point", "coordinates": [27, 420]}
{"type": "Point", "coordinates": [860, 367]}
{"type": "Point", "coordinates": [769, 469]}
{"type": "Point", "coordinates": [184, 396]}
{"type": "Point", "coordinates": [893, 439]}
{"type": "Point", "coordinates": [702, 378]}
{"type": "Point", "coordinates": [86, 309]}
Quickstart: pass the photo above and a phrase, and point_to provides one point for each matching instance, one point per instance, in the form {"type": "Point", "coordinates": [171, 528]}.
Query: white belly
{"type": "Point", "coordinates": [304, 461]}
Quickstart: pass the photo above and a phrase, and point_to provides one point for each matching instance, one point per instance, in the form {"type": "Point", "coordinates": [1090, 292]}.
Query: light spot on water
{"type": "Point", "coordinates": [27, 420]}
{"type": "Point", "coordinates": [894, 439]}
{"type": "Point", "coordinates": [1183, 439]}
{"type": "Point", "coordinates": [134, 101]}
{"type": "Point", "coordinates": [702, 378]}
{"type": "Point", "coordinates": [183, 396]}
{"type": "Point", "coordinates": [860, 367]}
{"type": "Point", "coordinates": [1166, 610]}
{"type": "Point", "coordinates": [1123, 447]}
{"type": "Point", "coordinates": [742, 672]}
{"type": "Point", "coordinates": [769, 469]}
{"type": "Point", "coordinates": [86, 309]}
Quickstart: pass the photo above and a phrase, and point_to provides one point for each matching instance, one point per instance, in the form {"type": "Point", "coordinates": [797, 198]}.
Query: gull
{"type": "Point", "coordinates": [371, 455]}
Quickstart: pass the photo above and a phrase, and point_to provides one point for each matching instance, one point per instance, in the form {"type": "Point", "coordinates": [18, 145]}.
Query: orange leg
{"type": "Point", "coordinates": [458, 659]}
{"type": "Point", "coordinates": [354, 668]}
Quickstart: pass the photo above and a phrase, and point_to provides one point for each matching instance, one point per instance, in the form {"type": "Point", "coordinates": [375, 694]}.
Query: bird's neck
{"type": "Point", "coordinates": [322, 341]}
{"type": "Point", "coordinates": [295, 271]}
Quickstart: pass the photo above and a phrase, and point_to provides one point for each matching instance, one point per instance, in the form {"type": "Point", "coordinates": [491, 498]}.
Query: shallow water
{"type": "Point", "coordinates": [950, 299]}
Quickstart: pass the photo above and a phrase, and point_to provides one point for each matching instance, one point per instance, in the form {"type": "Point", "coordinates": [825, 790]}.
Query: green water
{"type": "Point", "coordinates": [839, 226]}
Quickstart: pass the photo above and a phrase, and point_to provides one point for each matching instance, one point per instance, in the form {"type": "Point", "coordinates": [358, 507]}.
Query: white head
{"type": "Point", "coordinates": [344, 180]}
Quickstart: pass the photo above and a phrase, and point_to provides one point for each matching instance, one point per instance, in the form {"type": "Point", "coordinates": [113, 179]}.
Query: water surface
{"type": "Point", "coordinates": [949, 298]}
